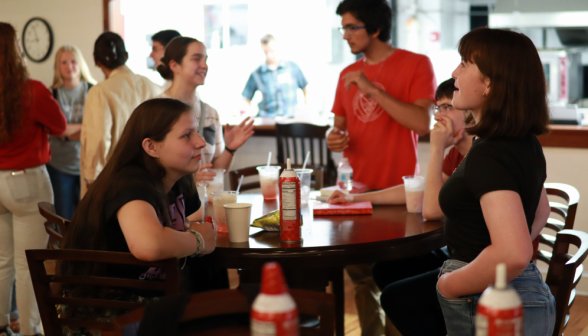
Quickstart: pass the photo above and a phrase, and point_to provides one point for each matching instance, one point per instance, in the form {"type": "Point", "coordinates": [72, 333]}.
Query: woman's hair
{"type": "Point", "coordinates": [110, 51]}
{"type": "Point", "coordinates": [517, 103]}
{"type": "Point", "coordinates": [175, 50]}
{"type": "Point", "coordinates": [84, 70]}
{"type": "Point", "coordinates": [13, 84]}
{"type": "Point", "coordinates": [375, 15]}
{"type": "Point", "coordinates": [129, 165]}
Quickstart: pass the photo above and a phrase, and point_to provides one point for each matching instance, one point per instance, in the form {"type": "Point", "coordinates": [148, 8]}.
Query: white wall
{"type": "Point", "coordinates": [72, 21]}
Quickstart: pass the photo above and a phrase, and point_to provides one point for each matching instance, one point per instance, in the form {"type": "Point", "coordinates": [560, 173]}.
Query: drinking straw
{"type": "Point", "coordinates": [306, 160]}
{"type": "Point", "coordinates": [240, 181]}
{"type": "Point", "coordinates": [269, 158]}
{"type": "Point", "coordinates": [416, 168]}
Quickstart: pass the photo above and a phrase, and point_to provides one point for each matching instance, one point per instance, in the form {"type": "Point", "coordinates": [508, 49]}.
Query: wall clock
{"type": "Point", "coordinates": [37, 39]}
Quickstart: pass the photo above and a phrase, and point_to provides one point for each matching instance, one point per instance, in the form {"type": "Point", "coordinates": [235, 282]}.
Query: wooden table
{"type": "Point", "coordinates": [332, 242]}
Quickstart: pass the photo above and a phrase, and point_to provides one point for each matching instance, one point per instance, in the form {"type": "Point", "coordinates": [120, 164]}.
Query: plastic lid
{"type": "Point", "coordinates": [344, 160]}
{"type": "Point", "coordinates": [500, 276]}
{"type": "Point", "coordinates": [272, 279]}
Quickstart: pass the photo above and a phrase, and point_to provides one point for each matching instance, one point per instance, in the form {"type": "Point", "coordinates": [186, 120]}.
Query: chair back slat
{"type": "Point", "coordinates": [562, 275]}
{"type": "Point", "coordinates": [47, 300]}
{"type": "Point", "coordinates": [55, 226]}
{"type": "Point", "coordinates": [568, 193]}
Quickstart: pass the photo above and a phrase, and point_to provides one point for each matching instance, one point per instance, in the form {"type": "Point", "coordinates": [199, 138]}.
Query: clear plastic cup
{"type": "Point", "coordinates": [201, 188]}
{"type": "Point", "coordinates": [219, 199]}
{"type": "Point", "coordinates": [238, 219]}
{"type": "Point", "coordinates": [218, 184]}
{"type": "Point", "coordinates": [414, 188]}
{"type": "Point", "coordinates": [269, 176]}
{"type": "Point", "coordinates": [304, 176]}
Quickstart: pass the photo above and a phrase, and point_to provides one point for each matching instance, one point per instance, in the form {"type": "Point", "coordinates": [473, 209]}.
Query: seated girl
{"type": "Point", "coordinates": [145, 200]}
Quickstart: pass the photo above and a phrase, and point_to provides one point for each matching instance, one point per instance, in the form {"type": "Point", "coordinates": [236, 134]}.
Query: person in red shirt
{"type": "Point", "coordinates": [28, 113]}
{"type": "Point", "coordinates": [449, 131]}
{"type": "Point", "coordinates": [383, 101]}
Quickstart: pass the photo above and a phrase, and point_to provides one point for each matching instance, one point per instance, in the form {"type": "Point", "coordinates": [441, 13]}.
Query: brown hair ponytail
{"type": "Point", "coordinates": [175, 50]}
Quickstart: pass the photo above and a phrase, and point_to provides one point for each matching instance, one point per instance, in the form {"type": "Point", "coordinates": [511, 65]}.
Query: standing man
{"type": "Point", "coordinates": [159, 42]}
{"type": "Point", "coordinates": [278, 82]}
{"type": "Point", "coordinates": [383, 103]}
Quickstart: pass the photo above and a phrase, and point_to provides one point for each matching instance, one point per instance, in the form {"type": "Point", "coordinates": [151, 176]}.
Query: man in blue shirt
{"type": "Point", "coordinates": [278, 82]}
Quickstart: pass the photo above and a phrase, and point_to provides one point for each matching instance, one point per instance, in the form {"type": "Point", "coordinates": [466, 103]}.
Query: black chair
{"type": "Point", "coordinates": [292, 136]}
{"type": "Point", "coordinates": [55, 226]}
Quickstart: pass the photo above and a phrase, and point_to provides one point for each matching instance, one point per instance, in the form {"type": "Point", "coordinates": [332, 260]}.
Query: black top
{"type": "Point", "coordinates": [137, 186]}
{"type": "Point", "coordinates": [491, 165]}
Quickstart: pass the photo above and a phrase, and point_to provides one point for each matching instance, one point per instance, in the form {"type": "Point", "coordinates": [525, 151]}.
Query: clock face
{"type": "Point", "coordinates": [37, 39]}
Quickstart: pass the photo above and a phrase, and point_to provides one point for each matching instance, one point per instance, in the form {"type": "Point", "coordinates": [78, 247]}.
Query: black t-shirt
{"type": "Point", "coordinates": [491, 165]}
{"type": "Point", "coordinates": [137, 186]}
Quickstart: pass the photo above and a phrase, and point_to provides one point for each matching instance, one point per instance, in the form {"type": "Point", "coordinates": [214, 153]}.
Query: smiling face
{"type": "Point", "coordinates": [68, 66]}
{"type": "Point", "coordinates": [446, 109]}
{"type": "Point", "coordinates": [193, 68]}
{"type": "Point", "coordinates": [180, 151]}
{"type": "Point", "coordinates": [157, 52]}
{"type": "Point", "coordinates": [472, 87]}
{"type": "Point", "coordinates": [358, 39]}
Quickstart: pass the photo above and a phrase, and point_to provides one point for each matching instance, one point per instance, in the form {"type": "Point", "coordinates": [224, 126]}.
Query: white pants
{"type": "Point", "coordinates": [21, 228]}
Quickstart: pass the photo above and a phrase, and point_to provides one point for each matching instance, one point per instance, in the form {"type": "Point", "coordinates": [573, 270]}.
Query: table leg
{"type": "Point", "coordinates": [339, 293]}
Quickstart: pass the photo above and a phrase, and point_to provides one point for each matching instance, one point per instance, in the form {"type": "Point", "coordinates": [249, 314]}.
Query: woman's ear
{"type": "Point", "coordinates": [174, 66]}
{"type": "Point", "coordinates": [487, 83]}
{"type": "Point", "coordinates": [150, 147]}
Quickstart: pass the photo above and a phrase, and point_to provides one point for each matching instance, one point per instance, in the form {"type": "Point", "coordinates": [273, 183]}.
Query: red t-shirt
{"type": "Point", "coordinates": [30, 144]}
{"type": "Point", "coordinates": [451, 161]}
{"type": "Point", "coordinates": [381, 150]}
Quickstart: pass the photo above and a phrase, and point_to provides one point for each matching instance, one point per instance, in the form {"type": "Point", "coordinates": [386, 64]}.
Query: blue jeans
{"type": "Point", "coordinates": [66, 188]}
{"type": "Point", "coordinates": [538, 304]}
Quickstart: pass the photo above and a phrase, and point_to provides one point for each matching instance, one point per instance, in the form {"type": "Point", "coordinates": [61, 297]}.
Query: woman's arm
{"type": "Point", "coordinates": [72, 129]}
{"type": "Point", "coordinates": [148, 240]}
{"type": "Point", "coordinates": [541, 215]}
{"type": "Point", "coordinates": [392, 195]}
{"type": "Point", "coordinates": [511, 244]}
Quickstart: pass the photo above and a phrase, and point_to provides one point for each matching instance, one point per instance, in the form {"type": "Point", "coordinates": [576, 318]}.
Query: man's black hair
{"type": "Point", "coordinates": [445, 89]}
{"type": "Point", "coordinates": [165, 36]}
{"type": "Point", "coordinates": [375, 14]}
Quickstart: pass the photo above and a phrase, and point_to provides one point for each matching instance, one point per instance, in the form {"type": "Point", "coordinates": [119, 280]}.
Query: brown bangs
{"type": "Point", "coordinates": [516, 105]}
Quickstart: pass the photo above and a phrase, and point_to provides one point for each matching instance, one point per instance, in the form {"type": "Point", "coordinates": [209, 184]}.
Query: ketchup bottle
{"type": "Point", "coordinates": [500, 310]}
{"type": "Point", "coordinates": [290, 221]}
{"type": "Point", "coordinates": [274, 312]}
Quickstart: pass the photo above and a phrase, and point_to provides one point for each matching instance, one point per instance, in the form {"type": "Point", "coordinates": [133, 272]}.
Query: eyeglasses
{"type": "Point", "coordinates": [443, 108]}
{"type": "Point", "coordinates": [349, 29]}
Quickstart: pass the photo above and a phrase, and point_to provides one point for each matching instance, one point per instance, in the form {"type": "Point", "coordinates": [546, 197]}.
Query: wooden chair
{"type": "Point", "coordinates": [232, 301]}
{"type": "Point", "coordinates": [567, 213]}
{"type": "Point", "coordinates": [47, 299]}
{"type": "Point", "coordinates": [564, 274]}
{"type": "Point", "coordinates": [288, 136]}
{"type": "Point", "coordinates": [316, 182]}
{"type": "Point", "coordinates": [56, 226]}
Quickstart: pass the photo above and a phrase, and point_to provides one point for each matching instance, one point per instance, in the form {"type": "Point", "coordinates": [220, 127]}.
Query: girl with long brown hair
{"type": "Point", "coordinates": [28, 113]}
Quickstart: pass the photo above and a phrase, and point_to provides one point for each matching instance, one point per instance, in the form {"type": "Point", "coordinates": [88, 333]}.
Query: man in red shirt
{"type": "Point", "coordinates": [383, 101]}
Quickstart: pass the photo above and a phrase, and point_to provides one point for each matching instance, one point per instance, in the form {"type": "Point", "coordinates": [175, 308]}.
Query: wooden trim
{"type": "Point", "coordinates": [106, 14]}
{"type": "Point", "coordinates": [565, 136]}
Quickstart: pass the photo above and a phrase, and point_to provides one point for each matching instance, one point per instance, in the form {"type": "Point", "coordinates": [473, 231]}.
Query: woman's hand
{"type": "Point", "coordinates": [442, 286]}
{"type": "Point", "coordinates": [236, 137]}
{"type": "Point", "coordinates": [208, 233]}
{"type": "Point", "coordinates": [338, 197]}
{"type": "Point", "coordinates": [205, 175]}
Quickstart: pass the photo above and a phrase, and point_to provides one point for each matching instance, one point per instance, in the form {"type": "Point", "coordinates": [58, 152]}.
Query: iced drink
{"type": "Point", "coordinates": [217, 184]}
{"type": "Point", "coordinates": [219, 199]}
{"type": "Point", "coordinates": [268, 179]}
{"type": "Point", "coordinates": [304, 176]}
{"type": "Point", "coordinates": [414, 188]}
{"type": "Point", "coordinates": [202, 194]}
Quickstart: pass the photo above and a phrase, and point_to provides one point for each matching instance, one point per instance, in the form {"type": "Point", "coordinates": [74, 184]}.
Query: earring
{"type": "Point", "coordinates": [484, 94]}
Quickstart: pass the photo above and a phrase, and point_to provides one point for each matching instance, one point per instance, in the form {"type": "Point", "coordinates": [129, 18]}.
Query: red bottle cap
{"type": "Point", "coordinates": [272, 279]}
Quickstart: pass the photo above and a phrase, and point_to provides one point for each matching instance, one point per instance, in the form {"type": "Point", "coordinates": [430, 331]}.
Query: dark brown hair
{"type": "Point", "coordinates": [13, 84]}
{"type": "Point", "coordinates": [152, 119]}
{"type": "Point", "coordinates": [445, 89]}
{"type": "Point", "coordinates": [517, 103]}
{"type": "Point", "coordinates": [110, 50]}
{"type": "Point", "coordinates": [175, 50]}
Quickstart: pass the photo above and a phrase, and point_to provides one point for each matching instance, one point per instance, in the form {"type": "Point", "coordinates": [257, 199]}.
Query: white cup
{"type": "Point", "coordinates": [414, 187]}
{"type": "Point", "coordinates": [238, 220]}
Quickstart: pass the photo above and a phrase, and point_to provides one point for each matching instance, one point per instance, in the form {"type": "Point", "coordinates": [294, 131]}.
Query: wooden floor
{"type": "Point", "coordinates": [578, 320]}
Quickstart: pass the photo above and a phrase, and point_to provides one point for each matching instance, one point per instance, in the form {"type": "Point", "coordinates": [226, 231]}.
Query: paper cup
{"type": "Point", "coordinates": [238, 220]}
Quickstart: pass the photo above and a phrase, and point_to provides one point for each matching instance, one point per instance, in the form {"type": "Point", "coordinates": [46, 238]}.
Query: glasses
{"type": "Point", "coordinates": [349, 29]}
{"type": "Point", "coordinates": [443, 108]}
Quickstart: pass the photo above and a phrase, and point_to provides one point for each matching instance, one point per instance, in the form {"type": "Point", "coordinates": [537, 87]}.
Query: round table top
{"type": "Point", "coordinates": [339, 240]}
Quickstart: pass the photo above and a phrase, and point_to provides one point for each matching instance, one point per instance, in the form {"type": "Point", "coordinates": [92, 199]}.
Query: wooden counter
{"type": "Point", "coordinates": [562, 136]}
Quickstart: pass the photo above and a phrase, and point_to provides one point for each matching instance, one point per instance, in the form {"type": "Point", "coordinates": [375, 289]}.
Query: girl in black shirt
{"type": "Point", "coordinates": [495, 203]}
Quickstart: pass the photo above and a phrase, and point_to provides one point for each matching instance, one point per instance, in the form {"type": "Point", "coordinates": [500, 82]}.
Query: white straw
{"type": "Point", "coordinates": [416, 168]}
{"type": "Point", "coordinates": [240, 181]}
{"type": "Point", "coordinates": [306, 160]}
{"type": "Point", "coordinates": [269, 158]}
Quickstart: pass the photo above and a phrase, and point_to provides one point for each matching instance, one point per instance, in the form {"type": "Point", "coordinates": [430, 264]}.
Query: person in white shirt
{"type": "Point", "coordinates": [184, 63]}
{"type": "Point", "coordinates": [109, 105]}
